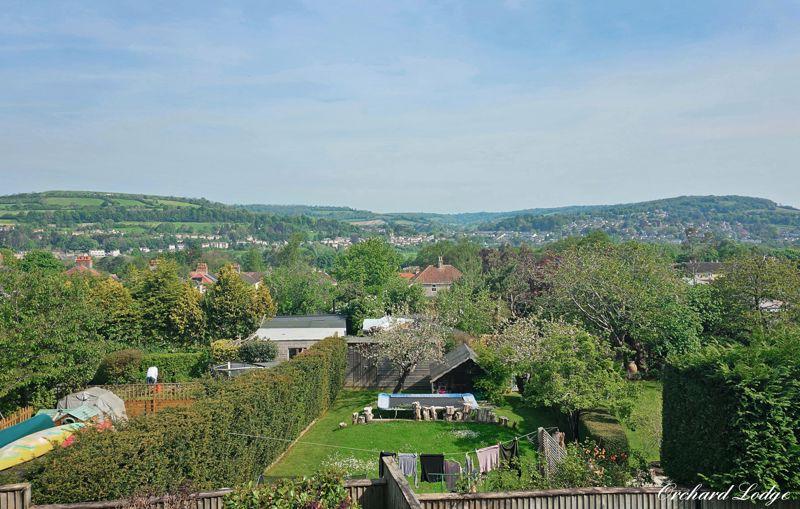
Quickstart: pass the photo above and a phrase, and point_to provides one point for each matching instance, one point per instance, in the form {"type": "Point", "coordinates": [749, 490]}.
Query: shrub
{"type": "Point", "coordinates": [322, 491]}
{"type": "Point", "coordinates": [732, 415]}
{"type": "Point", "coordinates": [176, 367]}
{"type": "Point", "coordinates": [130, 366]}
{"type": "Point", "coordinates": [225, 439]}
{"type": "Point", "coordinates": [120, 367]}
{"type": "Point", "coordinates": [605, 429]}
{"type": "Point", "coordinates": [258, 351]}
{"type": "Point", "coordinates": [224, 350]}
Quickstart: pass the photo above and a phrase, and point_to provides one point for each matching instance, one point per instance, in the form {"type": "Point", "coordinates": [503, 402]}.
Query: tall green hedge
{"type": "Point", "coordinates": [202, 444]}
{"type": "Point", "coordinates": [732, 415]}
{"type": "Point", "coordinates": [604, 429]}
{"type": "Point", "coordinates": [130, 366]}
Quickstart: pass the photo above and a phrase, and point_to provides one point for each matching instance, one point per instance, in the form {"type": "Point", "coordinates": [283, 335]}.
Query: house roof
{"type": "Point", "coordinates": [406, 275]}
{"type": "Point", "coordinates": [251, 278]}
{"type": "Point", "coordinates": [456, 357]}
{"type": "Point", "coordinates": [702, 267]}
{"type": "Point", "coordinates": [438, 275]}
{"type": "Point", "coordinates": [202, 277]}
{"type": "Point", "coordinates": [82, 269]}
{"type": "Point", "coordinates": [305, 322]}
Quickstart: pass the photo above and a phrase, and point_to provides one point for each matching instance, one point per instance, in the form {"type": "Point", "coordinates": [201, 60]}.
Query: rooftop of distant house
{"type": "Point", "coordinates": [439, 274]}
{"type": "Point", "coordinates": [305, 322]}
{"type": "Point", "coordinates": [83, 265]}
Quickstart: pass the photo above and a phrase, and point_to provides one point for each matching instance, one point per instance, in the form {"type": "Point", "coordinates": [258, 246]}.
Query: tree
{"type": "Point", "coordinates": [48, 337]}
{"type": "Point", "coordinates": [370, 264]}
{"type": "Point", "coordinates": [407, 346]}
{"type": "Point", "coordinates": [38, 260]}
{"type": "Point", "coordinates": [750, 283]}
{"type": "Point", "coordinates": [468, 306]}
{"type": "Point", "coordinates": [169, 307]}
{"type": "Point", "coordinates": [299, 289]}
{"type": "Point", "coordinates": [463, 254]}
{"type": "Point", "coordinates": [233, 308]}
{"type": "Point", "coordinates": [119, 317]}
{"type": "Point", "coordinates": [628, 294]}
{"type": "Point", "coordinates": [253, 261]}
{"type": "Point", "coordinates": [574, 371]}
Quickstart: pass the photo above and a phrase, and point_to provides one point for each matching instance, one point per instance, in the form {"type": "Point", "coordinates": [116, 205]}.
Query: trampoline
{"type": "Point", "coordinates": [404, 401]}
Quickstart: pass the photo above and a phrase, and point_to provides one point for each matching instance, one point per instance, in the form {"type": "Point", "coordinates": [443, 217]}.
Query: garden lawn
{"type": "Point", "coordinates": [644, 428]}
{"type": "Point", "coordinates": [356, 448]}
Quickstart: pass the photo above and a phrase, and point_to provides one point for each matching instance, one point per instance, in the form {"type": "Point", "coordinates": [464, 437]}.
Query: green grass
{"type": "Point", "coordinates": [176, 203]}
{"type": "Point", "coordinates": [127, 202]}
{"type": "Point", "coordinates": [644, 428]}
{"type": "Point", "coordinates": [398, 436]}
{"type": "Point", "coordinates": [72, 201]}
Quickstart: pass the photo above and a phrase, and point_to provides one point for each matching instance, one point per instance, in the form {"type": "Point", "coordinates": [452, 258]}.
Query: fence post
{"type": "Point", "coordinates": [15, 496]}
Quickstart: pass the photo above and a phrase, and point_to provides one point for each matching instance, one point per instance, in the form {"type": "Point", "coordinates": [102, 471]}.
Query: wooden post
{"type": "Point", "coordinates": [417, 411]}
{"type": "Point", "coordinates": [355, 417]}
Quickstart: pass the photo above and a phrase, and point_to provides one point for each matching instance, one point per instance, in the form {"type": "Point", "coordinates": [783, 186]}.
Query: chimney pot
{"type": "Point", "coordinates": [441, 262]}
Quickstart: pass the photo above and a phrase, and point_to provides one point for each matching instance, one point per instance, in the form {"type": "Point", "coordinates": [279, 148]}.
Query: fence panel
{"type": "Point", "coordinates": [15, 496]}
{"type": "Point", "coordinates": [369, 493]}
{"type": "Point", "coordinates": [17, 417]}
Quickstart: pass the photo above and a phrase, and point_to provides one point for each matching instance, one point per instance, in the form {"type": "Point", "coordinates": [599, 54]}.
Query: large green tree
{"type": "Point", "coordinates": [300, 289]}
{"type": "Point", "coordinates": [170, 309]}
{"type": "Point", "coordinates": [627, 293]}
{"type": "Point", "coordinates": [370, 264]}
{"type": "Point", "coordinates": [233, 308]}
{"type": "Point", "coordinates": [468, 306]}
{"type": "Point", "coordinates": [49, 337]}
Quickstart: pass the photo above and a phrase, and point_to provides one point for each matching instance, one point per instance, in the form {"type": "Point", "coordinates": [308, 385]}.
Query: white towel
{"type": "Point", "coordinates": [488, 458]}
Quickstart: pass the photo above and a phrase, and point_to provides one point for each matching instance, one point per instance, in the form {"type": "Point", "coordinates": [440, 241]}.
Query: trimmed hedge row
{"type": "Point", "coordinates": [604, 429]}
{"type": "Point", "coordinates": [209, 445]}
{"type": "Point", "coordinates": [130, 366]}
{"type": "Point", "coordinates": [732, 415]}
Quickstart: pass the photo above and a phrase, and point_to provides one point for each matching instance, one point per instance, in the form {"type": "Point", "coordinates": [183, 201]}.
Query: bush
{"type": "Point", "coordinates": [605, 429]}
{"type": "Point", "coordinates": [258, 351]}
{"type": "Point", "coordinates": [120, 367]}
{"type": "Point", "coordinates": [732, 415]}
{"type": "Point", "coordinates": [224, 350]}
{"type": "Point", "coordinates": [130, 366]}
{"type": "Point", "coordinates": [225, 439]}
{"type": "Point", "coordinates": [176, 367]}
{"type": "Point", "coordinates": [322, 491]}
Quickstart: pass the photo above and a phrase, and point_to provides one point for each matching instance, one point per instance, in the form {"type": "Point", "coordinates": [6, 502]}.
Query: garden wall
{"type": "Point", "coordinates": [371, 374]}
{"type": "Point", "coordinates": [226, 438]}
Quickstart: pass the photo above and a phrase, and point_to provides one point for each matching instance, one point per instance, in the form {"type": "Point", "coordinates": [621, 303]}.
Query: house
{"type": "Point", "coordinates": [701, 273]}
{"type": "Point", "coordinates": [202, 278]}
{"type": "Point", "coordinates": [437, 278]}
{"type": "Point", "coordinates": [253, 279]}
{"type": "Point", "coordinates": [457, 371]}
{"type": "Point", "coordinates": [83, 265]}
{"type": "Point", "coordinates": [293, 334]}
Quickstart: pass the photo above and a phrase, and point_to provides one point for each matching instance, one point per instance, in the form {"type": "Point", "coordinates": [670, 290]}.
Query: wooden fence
{"type": "Point", "coordinates": [364, 372]}
{"type": "Point", "coordinates": [17, 417]}
{"type": "Point", "coordinates": [146, 399]}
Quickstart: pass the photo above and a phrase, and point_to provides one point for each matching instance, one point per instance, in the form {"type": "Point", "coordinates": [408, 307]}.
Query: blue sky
{"type": "Point", "coordinates": [402, 105]}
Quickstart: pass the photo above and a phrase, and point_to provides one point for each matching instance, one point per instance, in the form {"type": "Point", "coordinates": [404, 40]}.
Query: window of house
{"type": "Point", "coordinates": [433, 288]}
{"type": "Point", "coordinates": [295, 351]}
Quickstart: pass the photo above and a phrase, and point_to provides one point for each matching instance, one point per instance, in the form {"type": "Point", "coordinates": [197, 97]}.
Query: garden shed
{"type": "Point", "coordinates": [457, 372]}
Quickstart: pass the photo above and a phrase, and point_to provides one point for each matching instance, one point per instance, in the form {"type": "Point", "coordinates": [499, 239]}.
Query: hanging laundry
{"type": "Point", "coordinates": [488, 458]}
{"type": "Point", "coordinates": [452, 473]}
{"type": "Point", "coordinates": [380, 461]}
{"type": "Point", "coordinates": [432, 467]}
{"type": "Point", "coordinates": [468, 464]}
{"type": "Point", "coordinates": [408, 465]}
{"type": "Point", "coordinates": [509, 452]}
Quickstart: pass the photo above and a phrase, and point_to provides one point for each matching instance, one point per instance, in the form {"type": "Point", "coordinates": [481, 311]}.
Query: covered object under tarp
{"type": "Point", "coordinates": [25, 428]}
{"type": "Point", "coordinates": [109, 403]}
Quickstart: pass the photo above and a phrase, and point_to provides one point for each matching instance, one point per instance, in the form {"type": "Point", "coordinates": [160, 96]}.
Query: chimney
{"type": "Point", "coordinates": [441, 262]}
{"type": "Point", "coordinates": [202, 268]}
{"type": "Point", "coordinates": [83, 261]}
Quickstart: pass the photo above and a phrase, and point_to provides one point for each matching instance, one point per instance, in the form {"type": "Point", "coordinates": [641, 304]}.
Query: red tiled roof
{"type": "Point", "coordinates": [82, 269]}
{"type": "Point", "coordinates": [435, 275]}
{"type": "Point", "coordinates": [407, 275]}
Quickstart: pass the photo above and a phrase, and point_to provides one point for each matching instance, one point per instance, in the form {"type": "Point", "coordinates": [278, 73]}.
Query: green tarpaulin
{"type": "Point", "coordinates": [25, 428]}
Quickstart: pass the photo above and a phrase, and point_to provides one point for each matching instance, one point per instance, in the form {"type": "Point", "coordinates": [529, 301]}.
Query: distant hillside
{"type": "Point", "coordinates": [737, 217]}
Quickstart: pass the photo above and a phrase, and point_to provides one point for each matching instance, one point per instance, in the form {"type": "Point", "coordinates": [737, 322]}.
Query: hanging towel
{"type": "Point", "coordinates": [432, 467]}
{"type": "Point", "coordinates": [452, 471]}
{"type": "Point", "coordinates": [380, 461]}
{"type": "Point", "coordinates": [509, 452]}
{"type": "Point", "coordinates": [488, 458]}
{"type": "Point", "coordinates": [408, 465]}
{"type": "Point", "coordinates": [468, 465]}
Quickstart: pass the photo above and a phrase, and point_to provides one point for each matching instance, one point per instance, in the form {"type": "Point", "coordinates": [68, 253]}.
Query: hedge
{"type": "Point", "coordinates": [732, 415]}
{"type": "Point", "coordinates": [130, 366]}
{"type": "Point", "coordinates": [604, 429]}
{"type": "Point", "coordinates": [214, 443]}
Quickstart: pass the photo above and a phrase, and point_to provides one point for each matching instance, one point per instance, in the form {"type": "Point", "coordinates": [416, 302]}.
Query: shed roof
{"type": "Point", "coordinates": [305, 322]}
{"type": "Point", "coordinates": [456, 357]}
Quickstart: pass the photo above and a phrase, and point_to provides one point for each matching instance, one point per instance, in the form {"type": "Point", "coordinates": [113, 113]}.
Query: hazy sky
{"type": "Point", "coordinates": [403, 105]}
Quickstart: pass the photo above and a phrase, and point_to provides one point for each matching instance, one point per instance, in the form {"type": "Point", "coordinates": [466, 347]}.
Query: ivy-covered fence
{"type": "Point", "coordinates": [732, 415]}
{"type": "Point", "coordinates": [225, 439]}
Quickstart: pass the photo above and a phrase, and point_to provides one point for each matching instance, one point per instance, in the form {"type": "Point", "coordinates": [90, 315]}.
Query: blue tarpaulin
{"type": "Point", "coordinates": [25, 428]}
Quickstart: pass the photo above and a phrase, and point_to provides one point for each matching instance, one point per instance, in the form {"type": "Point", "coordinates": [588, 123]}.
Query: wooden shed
{"type": "Point", "coordinates": [457, 372]}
